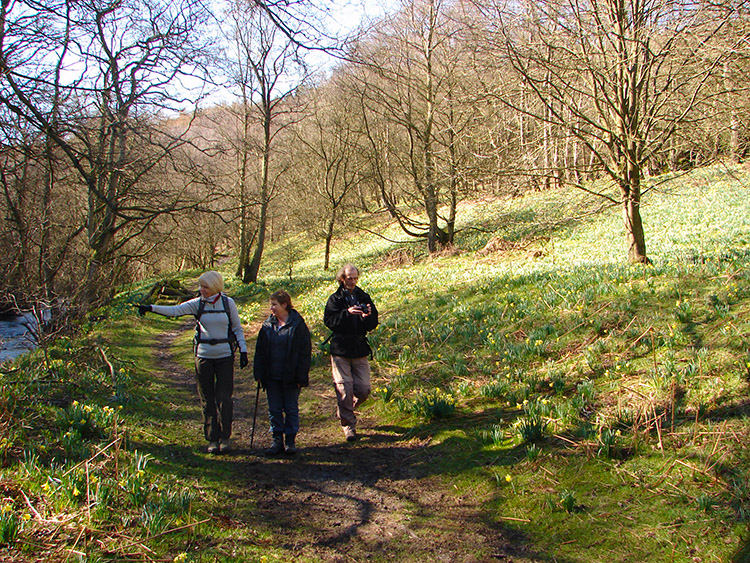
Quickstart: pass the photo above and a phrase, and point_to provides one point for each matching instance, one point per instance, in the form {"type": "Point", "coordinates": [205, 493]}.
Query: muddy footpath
{"type": "Point", "coordinates": [376, 499]}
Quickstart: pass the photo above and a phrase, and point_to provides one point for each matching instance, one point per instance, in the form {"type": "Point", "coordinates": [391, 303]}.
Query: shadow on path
{"type": "Point", "coordinates": [379, 498]}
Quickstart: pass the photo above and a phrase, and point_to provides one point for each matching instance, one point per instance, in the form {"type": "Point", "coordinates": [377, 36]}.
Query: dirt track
{"type": "Point", "coordinates": [374, 499]}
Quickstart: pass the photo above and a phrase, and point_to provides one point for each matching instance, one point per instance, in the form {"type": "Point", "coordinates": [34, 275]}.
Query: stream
{"type": "Point", "coordinates": [15, 338]}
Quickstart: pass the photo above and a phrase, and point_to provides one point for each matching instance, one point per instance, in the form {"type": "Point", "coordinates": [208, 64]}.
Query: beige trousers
{"type": "Point", "coordinates": [351, 379]}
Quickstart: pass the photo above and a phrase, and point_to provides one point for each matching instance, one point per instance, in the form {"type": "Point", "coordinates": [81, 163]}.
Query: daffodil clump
{"type": "Point", "coordinates": [10, 523]}
{"type": "Point", "coordinates": [432, 404]}
{"type": "Point", "coordinates": [76, 468]}
{"type": "Point", "coordinates": [384, 392]}
{"type": "Point", "coordinates": [532, 426]}
{"type": "Point", "coordinates": [90, 421]}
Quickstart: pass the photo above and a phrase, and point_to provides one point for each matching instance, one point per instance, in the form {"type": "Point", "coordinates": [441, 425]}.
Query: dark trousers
{"type": "Point", "coordinates": [215, 387]}
{"type": "Point", "coordinates": [283, 400]}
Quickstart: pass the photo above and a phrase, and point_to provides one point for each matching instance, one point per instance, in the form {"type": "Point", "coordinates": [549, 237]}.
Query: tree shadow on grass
{"type": "Point", "coordinates": [383, 497]}
{"type": "Point", "coordinates": [380, 495]}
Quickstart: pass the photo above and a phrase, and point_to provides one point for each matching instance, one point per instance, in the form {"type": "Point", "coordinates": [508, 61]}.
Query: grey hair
{"type": "Point", "coordinates": [342, 271]}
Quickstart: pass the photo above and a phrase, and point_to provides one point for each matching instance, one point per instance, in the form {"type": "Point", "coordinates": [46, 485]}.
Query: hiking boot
{"type": "Point", "coordinates": [277, 446]}
{"type": "Point", "coordinates": [290, 448]}
{"type": "Point", "coordinates": [225, 446]}
{"type": "Point", "coordinates": [350, 433]}
{"type": "Point", "coordinates": [213, 447]}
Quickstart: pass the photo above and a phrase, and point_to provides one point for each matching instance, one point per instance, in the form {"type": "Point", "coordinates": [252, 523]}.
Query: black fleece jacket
{"type": "Point", "coordinates": [349, 331]}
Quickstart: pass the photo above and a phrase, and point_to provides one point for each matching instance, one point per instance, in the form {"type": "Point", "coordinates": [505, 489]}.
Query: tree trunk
{"type": "Point", "coordinates": [430, 197]}
{"type": "Point", "coordinates": [634, 235]}
{"type": "Point", "coordinates": [430, 204]}
{"type": "Point", "coordinates": [734, 122]}
{"type": "Point", "coordinates": [245, 239]}
{"type": "Point", "coordinates": [101, 233]}
{"type": "Point", "coordinates": [329, 239]}
{"type": "Point", "coordinates": [253, 268]}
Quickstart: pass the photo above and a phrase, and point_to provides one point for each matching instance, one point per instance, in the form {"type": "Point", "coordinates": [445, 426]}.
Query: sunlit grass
{"type": "Point", "coordinates": [633, 362]}
{"type": "Point", "coordinates": [598, 407]}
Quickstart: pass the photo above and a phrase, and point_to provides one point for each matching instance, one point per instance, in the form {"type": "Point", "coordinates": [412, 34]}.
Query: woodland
{"type": "Point", "coordinates": [143, 137]}
{"type": "Point", "coordinates": [548, 202]}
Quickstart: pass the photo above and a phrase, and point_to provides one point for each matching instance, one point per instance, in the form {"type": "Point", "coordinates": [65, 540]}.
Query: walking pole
{"type": "Point", "coordinates": [255, 414]}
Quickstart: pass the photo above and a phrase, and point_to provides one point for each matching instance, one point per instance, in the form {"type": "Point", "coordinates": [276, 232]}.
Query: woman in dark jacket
{"type": "Point", "coordinates": [350, 314]}
{"type": "Point", "coordinates": [282, 366]}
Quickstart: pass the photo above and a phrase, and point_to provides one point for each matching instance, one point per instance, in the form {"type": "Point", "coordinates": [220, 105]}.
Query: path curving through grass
{"type": "Point", "coordinates": [372, 500]}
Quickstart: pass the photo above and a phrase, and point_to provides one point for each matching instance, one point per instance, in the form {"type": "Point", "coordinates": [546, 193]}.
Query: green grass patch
{"type": "Point", "coordinates": [598, 409]}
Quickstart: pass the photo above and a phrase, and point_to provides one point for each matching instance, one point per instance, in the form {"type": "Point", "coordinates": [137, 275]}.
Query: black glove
{"type": "Point", "coordinates": [143, 309]}
{"type": "Point", "coordinates": [243, 359]}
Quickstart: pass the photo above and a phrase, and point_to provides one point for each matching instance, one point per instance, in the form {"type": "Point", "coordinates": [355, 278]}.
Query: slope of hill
{"type": "Point", "coordinates": [535, 399]}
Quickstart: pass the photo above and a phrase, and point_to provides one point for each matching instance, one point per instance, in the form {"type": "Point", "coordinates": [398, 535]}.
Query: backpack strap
{"type": "Point", "coordinates": [231, 338]}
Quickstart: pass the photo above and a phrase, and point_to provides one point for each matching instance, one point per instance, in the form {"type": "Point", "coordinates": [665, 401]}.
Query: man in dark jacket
{"type": "Point", "coordinates": [350, 314]}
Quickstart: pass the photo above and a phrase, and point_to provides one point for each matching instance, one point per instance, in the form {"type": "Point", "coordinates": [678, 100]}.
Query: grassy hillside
{"type": "Point", "coordinates": [596, 409]}
{"type": "Point", "coordinates": [600, 405]}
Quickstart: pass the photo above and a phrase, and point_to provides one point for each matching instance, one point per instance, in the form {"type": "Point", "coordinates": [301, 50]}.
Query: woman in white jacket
{"type": "Point", "coordinates": [218, 334]}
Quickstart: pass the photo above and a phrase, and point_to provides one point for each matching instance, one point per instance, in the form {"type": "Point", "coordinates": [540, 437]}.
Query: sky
{"type": "Point", "coordinates": [339, 18]}
{"type": "Point", "coordinates": [348, 14]}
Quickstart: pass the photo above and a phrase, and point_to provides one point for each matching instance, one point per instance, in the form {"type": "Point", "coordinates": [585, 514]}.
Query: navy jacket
{"type": "Point", "coordinates": [349, 331]}
{"type": "Point", "coordinates": [298, 354]}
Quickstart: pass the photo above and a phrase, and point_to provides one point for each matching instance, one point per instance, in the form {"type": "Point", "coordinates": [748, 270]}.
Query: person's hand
{"type": "Point", "coordinates": [243, 359]}
{"type": "Point", "coordinates": [143, 309]}
{"type": "Point", "coordinates": [361, 310]}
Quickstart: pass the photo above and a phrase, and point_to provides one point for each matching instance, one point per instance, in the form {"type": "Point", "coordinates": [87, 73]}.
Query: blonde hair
{"type": "Point", "coordinates": [213, 281]}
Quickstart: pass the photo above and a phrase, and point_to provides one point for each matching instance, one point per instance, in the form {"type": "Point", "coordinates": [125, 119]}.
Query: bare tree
{"type": "Point", "coordinates": [95, 79]}
{"type": "Point", "coordinates": [40, 217]}
{"type": "Point", "coordinates": [405, 89]}
{"type": "Point", "coordinates": [327, 164]}
{"type": "Point", "coordinates": [266, 72]}
{"type": "Point", "coordinates": [621, 76]}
